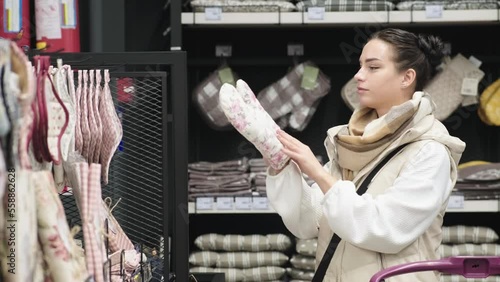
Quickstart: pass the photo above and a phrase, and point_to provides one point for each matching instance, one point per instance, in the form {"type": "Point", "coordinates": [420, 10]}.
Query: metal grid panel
{"type": "Point", "coordinates": [135, 173]}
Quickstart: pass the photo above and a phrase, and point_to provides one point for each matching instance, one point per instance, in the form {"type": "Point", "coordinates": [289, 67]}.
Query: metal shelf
{"type": "Point", "coordinates": [456, 206]}
{"type": "Point", "coordinates": [342, 18]}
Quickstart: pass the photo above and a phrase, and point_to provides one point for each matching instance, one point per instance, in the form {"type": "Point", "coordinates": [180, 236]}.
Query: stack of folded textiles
{"type": "Point", "coordinates": [478, 180]}
{"type": "Point", "coordinates": [303, 261]}
{"type": "Point", "coordinates": [241, 257]}
{"type": "Point", "coordinates": [460, 240]}
{"type": "Point", "coordinates": [218, 179]}
{"type": "Point", "coordinates": [258, 168]}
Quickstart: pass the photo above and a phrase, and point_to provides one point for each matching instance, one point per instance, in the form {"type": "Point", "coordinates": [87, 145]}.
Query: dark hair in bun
{"type": "Point", "coordinates": [423, 53]}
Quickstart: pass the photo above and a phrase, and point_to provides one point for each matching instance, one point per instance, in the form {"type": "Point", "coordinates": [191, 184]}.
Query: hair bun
{"type": "Point", "coordinates": [433, 48]}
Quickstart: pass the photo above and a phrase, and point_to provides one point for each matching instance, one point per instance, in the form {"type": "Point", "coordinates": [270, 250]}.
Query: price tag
{"type": "Point", "coordinates": [243, 203]}
{"type": "Point", "coordinates": [205, 203]}
{"type": "Point", "coordinates": [434, 11]}
{"type": "Point", "coordinates": [213, 13]}
{"type": "Point", "coordinates": [456, 202]}
{"type": "Point", "coordinates": [316, 13]}
{"type": "Point", "coordinates": [260, 203]}
{"type": "Point", "coordinates": [469, 86]}
{"type": "Point", "coordinates": [475, 61]}
{"type": "Point", "coordinates": [225, 203]}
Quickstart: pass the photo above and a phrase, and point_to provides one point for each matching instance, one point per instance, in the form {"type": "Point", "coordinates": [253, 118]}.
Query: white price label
{"type": "Point", "coordinates": [316, 13]}
{"type": "Point", "coordinates": [205, 203]}
{"type": "Point", "coordinates": [434, 11]}
{"type": "Point", "coordinates": [225, 203]}
{"type": "Point", "coordinates": [213, 13]}
{"type": "Point", "coordinates": [456, 202]}
{"type": "Point", "coordinates": [475, 61]}
{"type": "Point", "coordinates": [469, 86]}
{"type": "Point", "coordinates": [243, 203]}
{"type": "Point", "coordinates": [260, 203]}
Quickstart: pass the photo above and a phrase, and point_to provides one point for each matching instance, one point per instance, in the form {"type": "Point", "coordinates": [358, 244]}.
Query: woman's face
{"type": "Point", "coordinates": [379, 82]}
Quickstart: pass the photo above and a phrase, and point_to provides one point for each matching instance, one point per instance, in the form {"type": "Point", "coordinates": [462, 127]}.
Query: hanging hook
{"type": "Point", "coordinates": [223, 52]}
{"type": "Point", "coordinates": [295, 51]}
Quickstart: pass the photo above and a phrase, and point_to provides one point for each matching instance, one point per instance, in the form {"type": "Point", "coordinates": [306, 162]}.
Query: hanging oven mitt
{"type": "Point", "coordinates": [84, 119]}
{"type": "Point", "coordinates": [57, 115]}
{"type": "Point", "coordinates": [90, 185]}
{"type": "Point", "coordinates": [5, 124]}
{"type": "Point", "coordinates": [97, 117]}
{"type": "Point", "coordinates": [113, 134]}
{"type": "Point", "coordinates": [91, 117]}
{"type": "Point", "coordinates": [22, 67]}
{"type": "Point", "coordinates": [206, 100]}
{"type": "Point", "coordinates": [447, 87]}
{"type": "Point", "coordinates": [22, 244]}
{"type": "Point", "coordinates": [11, 83]}
{"type": "Point", "coordinates": [59, 247]}
{"type": "Point", "coordinates": [254, 124]}
{"type": "Point", "coordinates": [78, 109]}
{"type": "Point", "coordinates": [295, 94]}
{"type": "Point", "coordinates": [67, 140]}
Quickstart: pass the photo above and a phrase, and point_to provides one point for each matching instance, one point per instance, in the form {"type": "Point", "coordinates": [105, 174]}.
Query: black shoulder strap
{"type": "Point", "coordinates": [330, 250]}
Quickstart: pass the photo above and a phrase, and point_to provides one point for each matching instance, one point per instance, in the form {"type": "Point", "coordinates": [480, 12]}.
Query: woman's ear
{"type": "Point", "coordinates": [409, 78]}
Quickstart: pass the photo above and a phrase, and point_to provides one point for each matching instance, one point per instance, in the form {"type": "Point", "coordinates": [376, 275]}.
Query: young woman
{"type": "Point", "coordinates": [399, 218]}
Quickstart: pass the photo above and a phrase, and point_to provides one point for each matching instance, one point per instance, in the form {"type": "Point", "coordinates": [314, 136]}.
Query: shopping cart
{"type": "Point", "coordinates": [467, 266]}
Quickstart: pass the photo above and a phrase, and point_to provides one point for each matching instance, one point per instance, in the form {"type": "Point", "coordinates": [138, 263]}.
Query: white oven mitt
{"type": "Point", "coordinates": [252, 122]}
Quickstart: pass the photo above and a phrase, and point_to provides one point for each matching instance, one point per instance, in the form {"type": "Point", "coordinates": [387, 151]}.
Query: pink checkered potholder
{"type": "Point", "coordinates": [97, 117]}
{"type": "Point", "coordinates": [78, 123]}
{"type": "Point", "coordinates": [112, 136]}
{"type": "Point", "coordinates": [91, 117]}
{"type": "Point", "coordinates": [84, 120]}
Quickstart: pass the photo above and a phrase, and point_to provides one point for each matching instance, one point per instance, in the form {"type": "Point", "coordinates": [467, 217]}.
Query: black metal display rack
{"type": "Point", "coordinates": [148, 173]}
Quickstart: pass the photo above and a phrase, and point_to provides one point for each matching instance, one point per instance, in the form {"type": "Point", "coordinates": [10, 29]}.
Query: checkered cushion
{"type": "Point", "coordinates": [206, 99]}
{"type": "Point", "coordinates": [448, 5]}
{"type": "Point", "coordinates": [288, 96]}
{"type": "Point", "coordinates": [244, 6]}
{"type": "Point", "coordinates": [347, 5]}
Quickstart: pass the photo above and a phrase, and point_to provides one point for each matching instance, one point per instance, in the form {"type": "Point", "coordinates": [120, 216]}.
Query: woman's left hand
{"type": "Point", "coordinates": [301, 154]}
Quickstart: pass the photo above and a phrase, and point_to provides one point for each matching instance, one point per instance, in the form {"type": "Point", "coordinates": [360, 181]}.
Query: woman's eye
{"type": "Point", "coordinates": [374, 68]}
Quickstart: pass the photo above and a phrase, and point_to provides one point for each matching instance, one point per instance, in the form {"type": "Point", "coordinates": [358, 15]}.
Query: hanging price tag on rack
{"type": "Point", "coordinates": [243, 203]}
{"type": "Point", "coordinates": [225, 203]}
{"type": "Point", "coordinates": [456, 202]}
{"type": "Point", "coordinates": [434, 11]}
{"type": "Point", "coordinates": [213, 13]}
{"type": "Point", "coordinates": [316, 13]}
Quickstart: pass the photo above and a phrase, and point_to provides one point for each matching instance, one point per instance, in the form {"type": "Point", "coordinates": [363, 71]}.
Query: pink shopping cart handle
{"type": "Point", "coordinates": [467, 266]}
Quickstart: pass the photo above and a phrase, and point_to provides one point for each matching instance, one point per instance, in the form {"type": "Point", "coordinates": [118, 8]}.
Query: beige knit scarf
{"type": "Point", "coordinates": [367, 135]}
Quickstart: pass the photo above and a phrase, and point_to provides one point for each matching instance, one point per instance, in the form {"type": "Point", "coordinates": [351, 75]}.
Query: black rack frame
{"type": "Point", "coordinates": [175, 150]}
